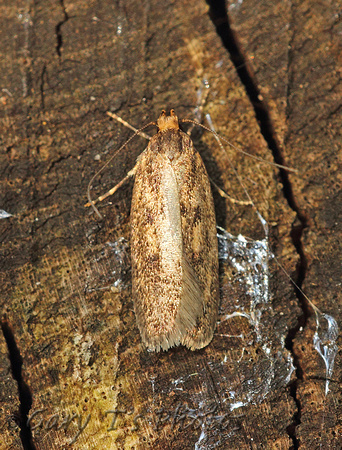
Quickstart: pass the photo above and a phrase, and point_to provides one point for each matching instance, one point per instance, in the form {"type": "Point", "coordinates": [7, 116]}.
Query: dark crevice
{"type": "Point", "coordinates": [42, 83]}
{"type": "Point", "coordinates": [25, 396]}
{"type": "Point", "coordinates": [296, 234]}
{"type": "Point", "coordinates": [57, 161]}
{"type": "Point", "coordinates": [219, 16]}
{"type": "Point", "coordinates": [58, 30]}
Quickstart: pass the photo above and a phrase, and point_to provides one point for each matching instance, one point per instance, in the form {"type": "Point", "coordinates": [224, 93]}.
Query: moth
{"type": "Point", "coordinates": [174, 248]}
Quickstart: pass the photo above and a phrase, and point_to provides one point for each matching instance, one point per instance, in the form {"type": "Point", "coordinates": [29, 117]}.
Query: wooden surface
{"type": "Point", "coordinates": [80, 374]}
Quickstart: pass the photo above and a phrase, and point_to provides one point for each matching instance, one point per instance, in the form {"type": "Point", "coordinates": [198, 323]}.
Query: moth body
{"type": "Point", "coordinates": [173, 243]}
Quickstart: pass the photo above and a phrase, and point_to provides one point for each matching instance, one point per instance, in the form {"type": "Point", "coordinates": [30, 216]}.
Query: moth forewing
{"type": "Point", "coordinates": [173, 243]}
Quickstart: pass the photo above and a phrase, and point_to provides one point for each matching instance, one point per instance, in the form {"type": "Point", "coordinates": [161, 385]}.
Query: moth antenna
{"type": "Point", "coordinates": [289, 169]}
{"type": "Point", "coordinates": [313, 306]}
{"type": "Point", "coordinates": [91, 201]}
{"type": "Point", "coordinates": [333, 329]}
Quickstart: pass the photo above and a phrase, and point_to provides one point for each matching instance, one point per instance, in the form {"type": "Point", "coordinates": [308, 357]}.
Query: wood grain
{"type": "Point", "coordinates": [65, 276]}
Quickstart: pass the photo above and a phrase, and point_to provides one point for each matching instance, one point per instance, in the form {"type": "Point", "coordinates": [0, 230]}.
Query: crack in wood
{"type": "Point", "coordinates": [58, 28]}
{"type": "Point", "coordinates": [25, 396]}
{"type": "Point", "coordinates": [219, 16]}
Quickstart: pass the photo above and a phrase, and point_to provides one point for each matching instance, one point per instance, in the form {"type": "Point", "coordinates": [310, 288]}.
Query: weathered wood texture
{"type": "Point", "coordinates": [297, 60]}
{"type": "Point", "coordinates": [65, 275]}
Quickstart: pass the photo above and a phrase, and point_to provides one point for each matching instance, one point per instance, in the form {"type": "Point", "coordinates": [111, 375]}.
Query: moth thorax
{"type": "Point", "coordinates": [165, 122]}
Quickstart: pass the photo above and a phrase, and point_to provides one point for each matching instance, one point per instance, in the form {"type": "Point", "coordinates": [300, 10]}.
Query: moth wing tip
{"type": "Point", "coordinates": [164, 343]}
{"type": "Point", "coordinates": [199, 342]}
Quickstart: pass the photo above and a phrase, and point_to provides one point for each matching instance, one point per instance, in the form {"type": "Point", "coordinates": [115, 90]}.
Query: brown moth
{"type": "Point", "coordinates": [173, 243]}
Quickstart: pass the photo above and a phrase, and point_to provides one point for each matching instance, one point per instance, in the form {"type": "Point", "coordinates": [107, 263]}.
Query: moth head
{"type": "Point", "coordinates": [167, 122]}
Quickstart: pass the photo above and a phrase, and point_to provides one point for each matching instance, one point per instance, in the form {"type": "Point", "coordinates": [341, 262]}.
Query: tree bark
{"type": "Point", "coordinates": [77, 375]}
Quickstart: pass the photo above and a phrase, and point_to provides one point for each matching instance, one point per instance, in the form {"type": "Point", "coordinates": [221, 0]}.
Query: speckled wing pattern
{"type": "Point", "coordinates": [173, 245]}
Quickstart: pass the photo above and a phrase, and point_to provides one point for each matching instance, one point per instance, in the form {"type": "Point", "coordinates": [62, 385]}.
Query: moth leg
{"type": "Point", "coordinates": [130, 174]}
{"type": "Point", "coordinates": [128, 125]}
{"type": "Point", "coordinates": [228, 197]}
